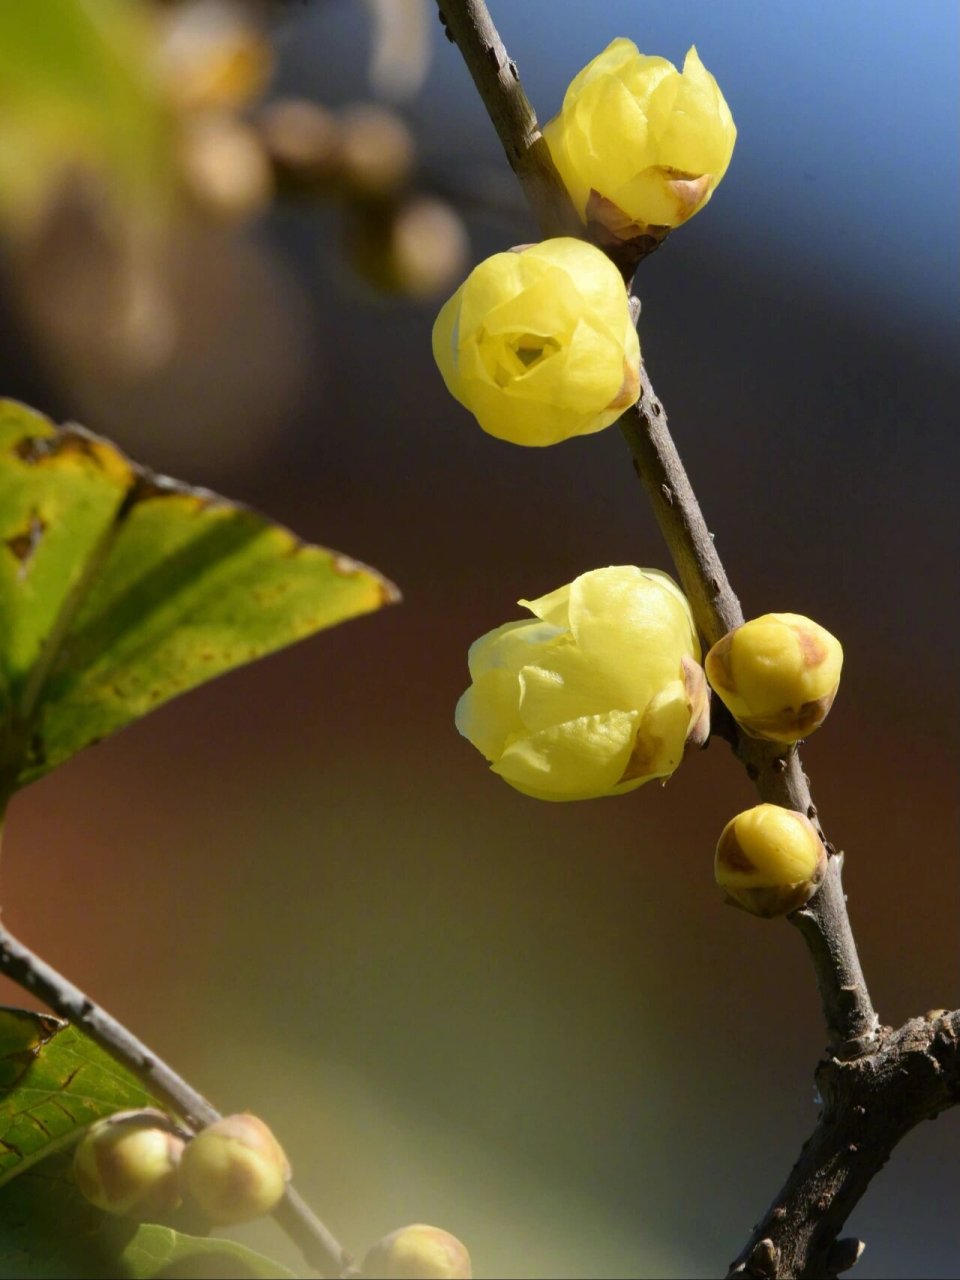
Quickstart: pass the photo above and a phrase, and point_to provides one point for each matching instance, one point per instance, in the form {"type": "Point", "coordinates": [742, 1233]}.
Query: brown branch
{"type": "Point", "coordinates": [876, 1085]}
{"type": "Point", "coordinates": [869, 1105]}
{"type": "Point", "coordinates": [498, 83]}
{"type": "Point", "coordinates": [848, 1011]}
{"type": "Point", "coordinates": [319, 1248]}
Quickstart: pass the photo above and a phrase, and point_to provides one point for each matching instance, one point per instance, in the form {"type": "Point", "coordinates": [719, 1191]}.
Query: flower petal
{"type": "Point", "coordinates": [578, 760]}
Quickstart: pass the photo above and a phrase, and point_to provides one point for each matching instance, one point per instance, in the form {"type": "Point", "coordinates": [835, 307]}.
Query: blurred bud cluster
{"type": "Point", "coordinates": [136, 155]}
{"type": "Point", "coordinates": [399, 239]}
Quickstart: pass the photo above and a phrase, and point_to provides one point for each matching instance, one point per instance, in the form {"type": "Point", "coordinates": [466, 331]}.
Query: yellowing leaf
{"type": "Point", "coordinates": [54, 1082]}
{"type": "Point", "coordinates": [120, 589]}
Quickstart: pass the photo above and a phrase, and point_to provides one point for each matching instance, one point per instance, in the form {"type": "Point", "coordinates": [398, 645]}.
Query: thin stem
{"type": "Point", "coordinates": [849, 1014]}
{"type": "Point", "coordinates": [318, 1246]}
{"type": "Point", "coordinates": [824, 924]}
{"type": "Point", "coordinates": [498, 83]}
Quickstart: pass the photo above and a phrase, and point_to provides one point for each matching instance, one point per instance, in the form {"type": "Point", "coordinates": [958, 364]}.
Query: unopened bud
{"type": "Point", "coordinates": [301, 139]}
{"type": "Point", "coordinates": [418, 1252]}
{"type": "Point", "coordinates": [234, 1170]}
{"type": "Point", "coordinates": [127, 1164]}
{"type": "Point", "coordinates": [770, 860]}
{"type": "Point", "coordinates": [225, 167]}
{"type": "Point", "coordinates": [416, 249]}
{"type": "Point", "coordinates": [778, 675]}
{"type": "Point", "coordinates": [376, 151]}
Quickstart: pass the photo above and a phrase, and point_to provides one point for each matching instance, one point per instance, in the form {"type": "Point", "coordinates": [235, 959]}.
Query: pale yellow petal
{"type": "Point", "coordinates": [511, 647]}
{"type": "Point", "coordinates": [644, 74]}
{"type": "Point", "coordinates": [697, 136]}
{"type": "Point", "coordinates": [555, 134]}
{"type": "Point", "coordinates": [545, 307]}
{"type": "Point", "coordinates": [487, 714]}
{"type": "Point", "coordinates": [615, 56]}
{"type": "Point", "coordinates": [445, 344]}
{"type": "Point", "coordinates": [575, 761]}
{"type": "Point", "coordinates": [623, 620]}
{"type": "Point", "coordinates": [662, 734]}
{"type": "Point", "coordinates": [598, 285]}
{"type": "Point", "coordinates": [489, 285]}
{"type": "Point", "coordinates": [520, 421]}
{"type": "Point", "coordinates": [606, 110]}
{"type": "Point", "coordinates": [553, 608]}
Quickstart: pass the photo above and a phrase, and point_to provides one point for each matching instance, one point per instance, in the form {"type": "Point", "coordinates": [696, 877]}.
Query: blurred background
{"type": "Point", "coordinates": [532, 1024]}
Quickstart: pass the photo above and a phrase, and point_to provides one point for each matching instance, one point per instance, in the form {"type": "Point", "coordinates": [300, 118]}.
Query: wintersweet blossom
{"type": "Point", "coordinates": [539, 343]}
{"type": "Point", "coordinates": [639, 144]}
{"type": "Point", "coordinates": [596, 694]}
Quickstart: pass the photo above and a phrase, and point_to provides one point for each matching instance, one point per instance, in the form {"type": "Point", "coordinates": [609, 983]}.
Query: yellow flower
{"type": "Point", "coordinates": [596, 695]}
{"type": "Point", "coordinates": [639, 142]}
{"type": "Point", "coordinates": [539, 345]}
{"type": "Point", "coordinates": [777, 675]}
{"type": "Point", "coordinates": [769, 860]}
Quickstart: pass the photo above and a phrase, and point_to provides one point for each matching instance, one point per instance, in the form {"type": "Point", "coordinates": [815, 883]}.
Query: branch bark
{"type": "Point", "coordinates": [876, 1084]}
{"type": "Point", "coordinates": [319, 1247]}
{"type": "Point", "coordinates": [870, 1103]}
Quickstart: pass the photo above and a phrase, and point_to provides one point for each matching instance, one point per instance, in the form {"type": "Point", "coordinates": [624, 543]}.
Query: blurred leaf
{"type": "Point", "coordinates": [120, 589]}
{"type": "Point", "coordinates": [48, 1230]}
{"type": "Point", "coordinates": [77, 90]}
{"type": "Point", "coordinates": [54, 1082]}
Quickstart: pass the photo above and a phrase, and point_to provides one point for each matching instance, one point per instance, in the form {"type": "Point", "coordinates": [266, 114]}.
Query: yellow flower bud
{"type": "Point", "coordinates": [770, 860]}
{"type": "Point", "coordinates": [640, 145]}
{"type": "Point", "coordinates": [596, 695]}
{"type": "Point", "coordinates": [418, 1252]}
{"type": "Point", "coordinates": [416, 247]}
{"type": "Point", "coordinates": [777, 675]}
{"type": "Point", "coordinates": [224, 166]}
{"type": "Point", "coordinates": [234, 1170]}
{"type": "Point", "coordinates": [127, 1164]}
{"type": "Point", "coordinates": [538, 344]}
{"type": "Point", "coordinates": [376, 151]}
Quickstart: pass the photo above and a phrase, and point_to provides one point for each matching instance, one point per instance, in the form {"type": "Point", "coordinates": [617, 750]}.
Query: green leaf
{"type": "Point", "coordinates": [47, 1230]}
{"type": "Point", "coordinates": [78, 88]}
{"type": "Point", "coordinates": [120, 589]}
{"type": "Point", "coordinates": [54, 1082]}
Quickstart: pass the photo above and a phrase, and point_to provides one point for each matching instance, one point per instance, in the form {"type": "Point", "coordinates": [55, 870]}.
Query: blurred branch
{"type": "Point", "coordinates": [876, 1085]}
{"type": "Point", "coordinates": [319, 1248]}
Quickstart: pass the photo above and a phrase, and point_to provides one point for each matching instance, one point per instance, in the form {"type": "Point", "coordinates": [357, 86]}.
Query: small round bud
{"type": "Point", "coordinates": [224, 166]}
{"type": "Point", "coordinates": [127, 1164]}
{"type": "Point", "coordinates": [234, 1170]}
{"type": "Point", "coordinates": [376, 151]}
{"type": "Point", "coordinates": [418, 1252]}
{"type": "Point", "coordinates": [777, 675]}
{"type": "Point", "coordinates": [416, 249]}
{"type": "Point", "coordinates": [770, 860]}
{"type": "Point", "coordinates": [302, 139]}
